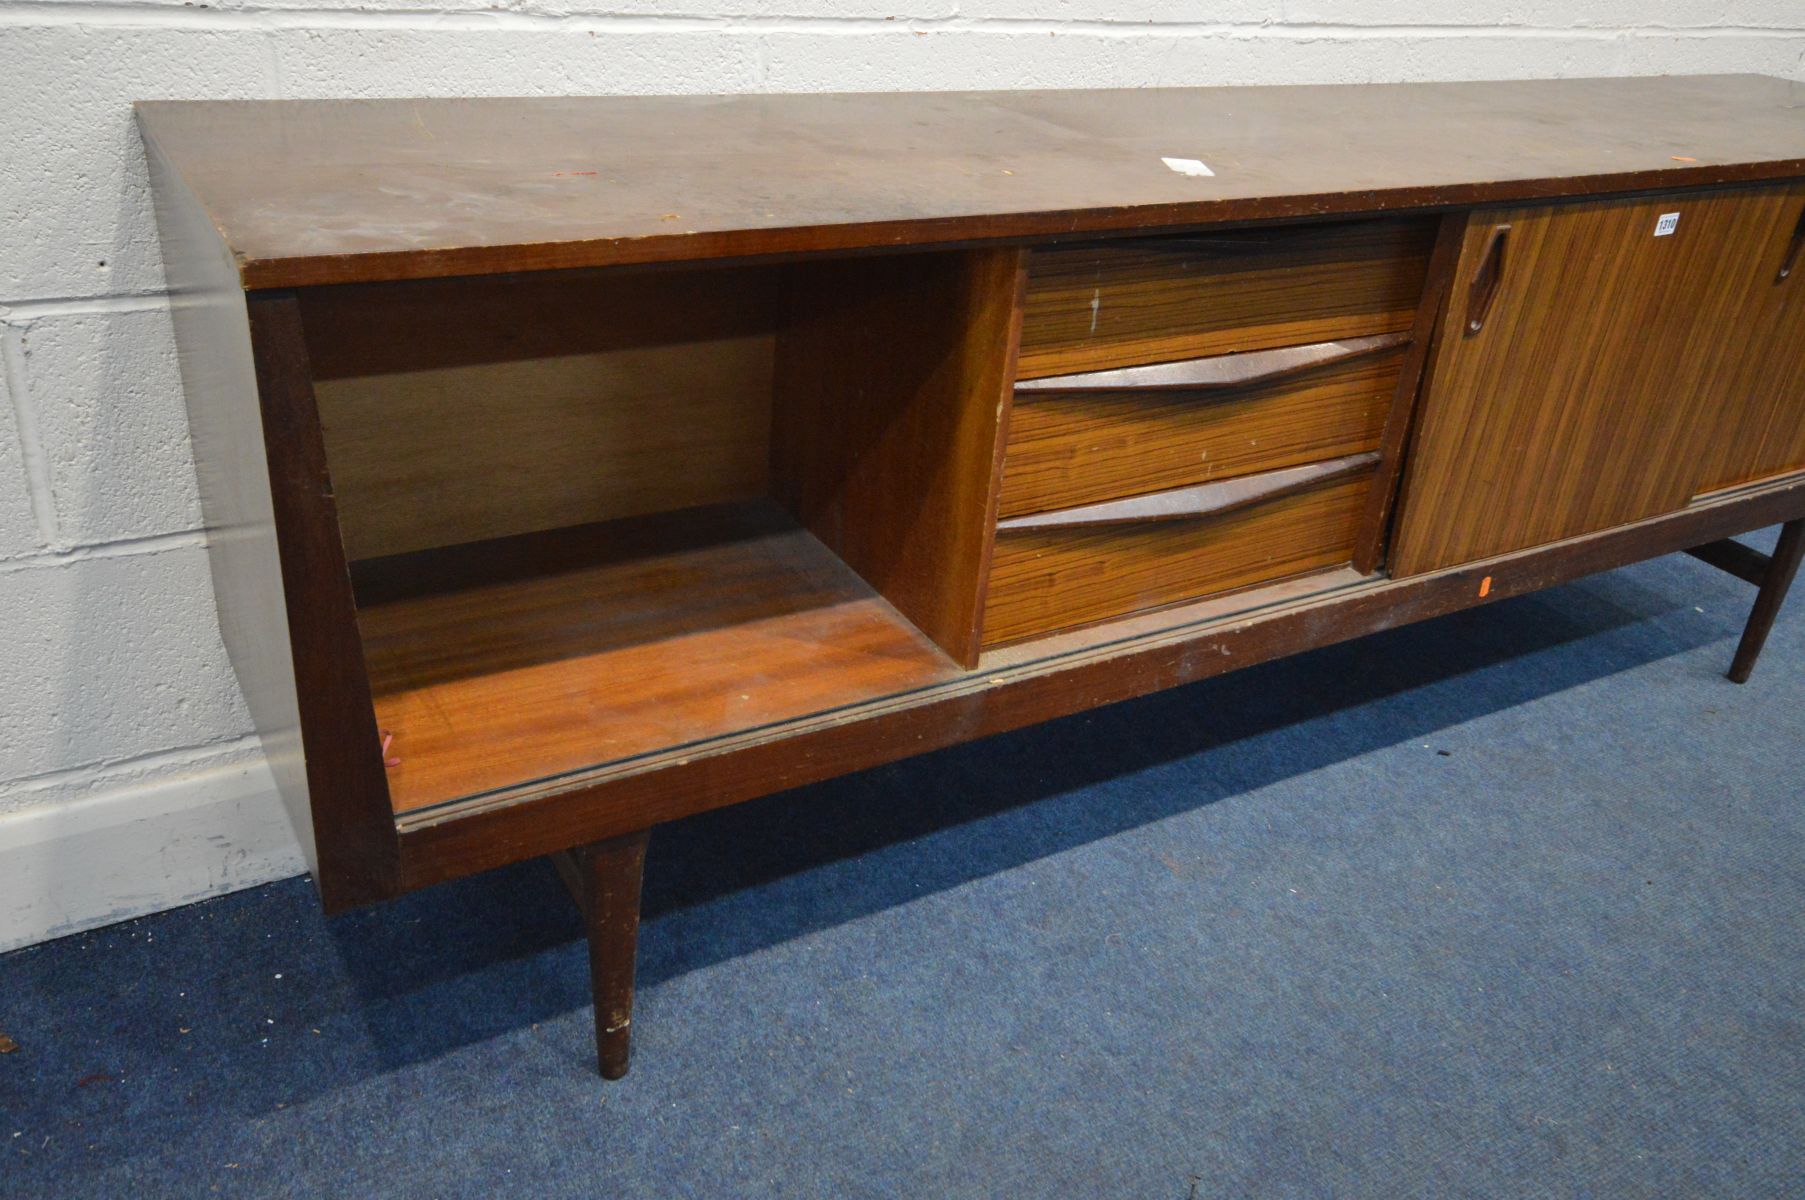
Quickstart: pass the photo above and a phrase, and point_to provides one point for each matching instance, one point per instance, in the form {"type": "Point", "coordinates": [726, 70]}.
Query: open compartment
{"type": "Point", "coordinates": [595, 516]}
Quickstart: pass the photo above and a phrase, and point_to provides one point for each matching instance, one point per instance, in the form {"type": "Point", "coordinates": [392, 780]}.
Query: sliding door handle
{"type": "Point", "coordinates": [1484, 288]}
{"type": "Point", "coordinates": [1792, 250]}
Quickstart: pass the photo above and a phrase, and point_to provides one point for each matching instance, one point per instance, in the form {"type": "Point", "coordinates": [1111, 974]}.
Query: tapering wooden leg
{"type": "Point", "coordinates": [605, 879]}
{"type": "Point", "coordinates": [1775, 581]}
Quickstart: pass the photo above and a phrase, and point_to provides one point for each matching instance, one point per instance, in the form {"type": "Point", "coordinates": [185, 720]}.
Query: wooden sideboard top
{"type": "Point", "coordinates": [331, 191]}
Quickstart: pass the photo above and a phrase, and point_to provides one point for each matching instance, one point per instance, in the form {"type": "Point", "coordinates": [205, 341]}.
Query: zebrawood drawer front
{"type": "Point", "coordinates": [1077, 439]}
{"type": "Point", "coordinates": [1048, 577]}
{"type": "Point", "coordinates": [1101, 305]}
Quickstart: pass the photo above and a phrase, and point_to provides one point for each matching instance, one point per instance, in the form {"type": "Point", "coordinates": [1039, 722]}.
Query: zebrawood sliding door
{"type": "Point", "coordinates": [1592, 359]}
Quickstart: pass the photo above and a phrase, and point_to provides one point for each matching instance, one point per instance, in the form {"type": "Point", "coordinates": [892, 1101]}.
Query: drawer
{"type": "Point", "coordinates": [1102, 305]}
{"type": "Point", "coordinates": [1050, 577]}
{"type": "Point", "coordinates": [1077, 439]}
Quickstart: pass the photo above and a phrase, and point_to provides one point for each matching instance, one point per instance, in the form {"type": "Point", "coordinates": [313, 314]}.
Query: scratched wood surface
{"type": "Point", "coordinates": [498, 665]}
{"type": "Point", "coordinates": [335, 191]}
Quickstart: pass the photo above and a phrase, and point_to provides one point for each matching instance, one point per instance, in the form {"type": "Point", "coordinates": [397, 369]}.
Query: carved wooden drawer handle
{"type": "Point", "coordinates": [1486, 279]}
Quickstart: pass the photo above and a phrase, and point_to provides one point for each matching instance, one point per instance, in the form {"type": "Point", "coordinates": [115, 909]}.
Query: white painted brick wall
{"type": "Point", "coordinates": [107, 662]}
{"type": "Point", "coordinates": [108, 405]}
{"type": "Point", "coordinates": [114, 692]}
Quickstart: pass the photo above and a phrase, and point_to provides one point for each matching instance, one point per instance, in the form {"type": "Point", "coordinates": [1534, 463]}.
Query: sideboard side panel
{"type": "Point", "coordinates": [354, 828]}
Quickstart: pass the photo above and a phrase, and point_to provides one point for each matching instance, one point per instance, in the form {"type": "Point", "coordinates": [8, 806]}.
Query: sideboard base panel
{"type": "Point", "coordinates": [516, 661]}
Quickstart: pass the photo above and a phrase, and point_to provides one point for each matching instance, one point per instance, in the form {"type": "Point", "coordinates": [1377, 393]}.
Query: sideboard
{"type": "Point", "coordinates": [574, 465]}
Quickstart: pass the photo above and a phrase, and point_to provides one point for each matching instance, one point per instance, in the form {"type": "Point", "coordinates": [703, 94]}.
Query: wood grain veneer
{"type": "Point", "coordinates": [1043, 580]}
{"type": "Point", "coordinates": [1373, 538]}
{"type": "Point", "coordinates": [433, 458]}
{"type": "Point", "coordinates": [1117, 304]}
{"type": "Point", "coordinates": [498, 665]}
{"type": "Point", "coordinates": [336, 191]}
{"type": "Point", "coordinates": [366, 329]}
{"type": "Point", "coordinates": [1570, 409]}
{"type": "Point", "coordinates": [892, 383]}
{"type": "Point", "coordinates": [1200, 500]}
{"type": "Point", "coordinates": [1216, 373]}
{"type": "Point", "coordinates": [1074, 445]}
{"type": "Point", "coordinates": [340, 745]}
{"type": "Point", "coordinates": [459, 410]}
{"type": "Point", "coordinates": [1748, 416]}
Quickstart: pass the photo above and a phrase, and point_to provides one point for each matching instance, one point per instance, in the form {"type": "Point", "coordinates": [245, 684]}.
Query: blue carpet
{"type": "Point", "coordinates": [1511, 903]}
